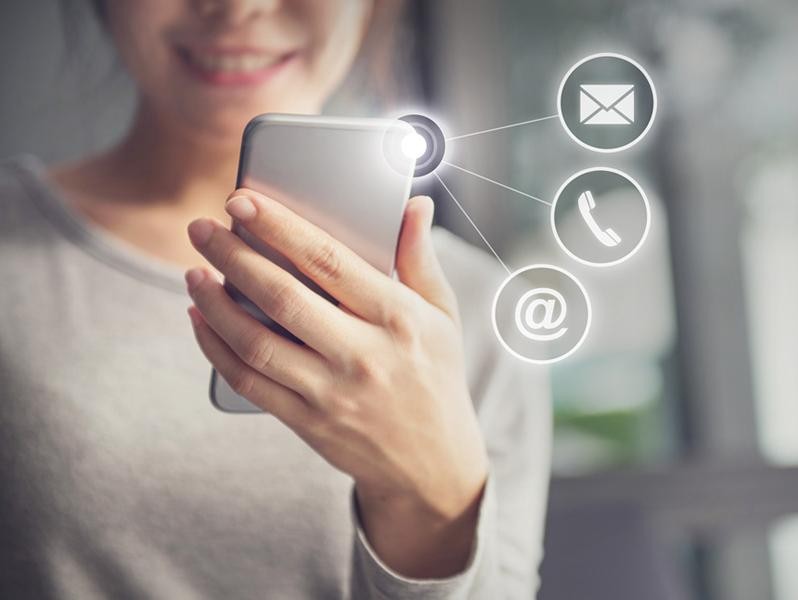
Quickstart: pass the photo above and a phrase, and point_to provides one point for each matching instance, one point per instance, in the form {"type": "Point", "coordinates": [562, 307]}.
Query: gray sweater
{"type": "Point", "coordinates": [120, 480]}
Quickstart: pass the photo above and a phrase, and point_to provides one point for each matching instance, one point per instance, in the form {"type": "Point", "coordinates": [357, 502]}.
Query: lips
{"type": "Point", "coordinates": [240, 66]}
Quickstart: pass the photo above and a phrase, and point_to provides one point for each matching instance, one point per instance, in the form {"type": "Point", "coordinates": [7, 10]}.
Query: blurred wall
{"type": "Point", "coordinates": [57, 101]}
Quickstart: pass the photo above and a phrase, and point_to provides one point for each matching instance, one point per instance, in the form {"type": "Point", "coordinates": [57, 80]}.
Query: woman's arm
{"type": "Point", "coordinates": [514, 409]}
{"type": "Point", "coordinates": [379, 389]}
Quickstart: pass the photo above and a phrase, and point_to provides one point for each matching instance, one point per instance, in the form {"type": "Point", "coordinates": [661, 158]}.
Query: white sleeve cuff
{"type": "Point", "coordinates": [372, 578]}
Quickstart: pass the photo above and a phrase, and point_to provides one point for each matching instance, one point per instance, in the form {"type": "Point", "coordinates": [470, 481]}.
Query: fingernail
{"type": "Point", "coordinates": [200, 231]}
{"type": "Point", "coordinates": [194, 277]}
{"type": "Point", "coordinates": [429, 216]}
{"type": "Point", "coordinates": [240, 207]}
{"type": "Point", "coordinates": [194, 315]}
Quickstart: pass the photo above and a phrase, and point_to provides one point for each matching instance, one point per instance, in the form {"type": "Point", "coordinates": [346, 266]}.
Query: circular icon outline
{"type": "Point", "coordinates": [435, 150]}
{"type": "Point", "coordinates": [628, 255]}
{"type": "Point", "coordinates": [541, 361]}
{"type": "Point", "coordinates": [635, 64]}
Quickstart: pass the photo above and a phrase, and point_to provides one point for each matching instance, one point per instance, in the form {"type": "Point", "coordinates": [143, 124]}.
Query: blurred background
{"type": "Point", "coordinates": [676, 443]}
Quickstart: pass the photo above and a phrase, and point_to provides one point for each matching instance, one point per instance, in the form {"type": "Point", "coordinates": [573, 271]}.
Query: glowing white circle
{"type": "Point", "coordinates": [414, 145]}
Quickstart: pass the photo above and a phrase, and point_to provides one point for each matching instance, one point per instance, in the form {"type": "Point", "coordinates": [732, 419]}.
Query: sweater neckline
{"type": "Point", "coordinates": [93, 238]}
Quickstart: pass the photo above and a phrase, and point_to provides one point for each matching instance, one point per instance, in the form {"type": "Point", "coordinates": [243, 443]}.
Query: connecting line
{"type": "Point", "coordinates": [465, 135]}
{"type": "Point", "coordinates": [474, 225]}
{"type": "Point", "coordinates": [506, 187]}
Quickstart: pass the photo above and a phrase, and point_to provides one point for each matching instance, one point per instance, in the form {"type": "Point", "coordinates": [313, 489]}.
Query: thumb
{"type": "Point", "coordinates": [416, 262]}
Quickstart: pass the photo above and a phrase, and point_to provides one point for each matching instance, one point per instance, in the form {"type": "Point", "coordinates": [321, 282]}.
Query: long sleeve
{"type": "Point", "coordinates": [515, 418]}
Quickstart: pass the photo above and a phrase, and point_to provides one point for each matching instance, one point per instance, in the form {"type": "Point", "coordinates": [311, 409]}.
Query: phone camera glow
{"type": "Point", "coordinates": [429, 154]}
{"type": "Point", "coordinates": [414, 146]}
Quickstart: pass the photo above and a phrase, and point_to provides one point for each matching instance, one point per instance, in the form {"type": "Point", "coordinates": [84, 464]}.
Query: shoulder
{"type": "Point", "coordinates": [19, 187]}
{"type": "Point", "coordinates": [28, 229]}
{"type": "Point", "coordinates": [474, 274]}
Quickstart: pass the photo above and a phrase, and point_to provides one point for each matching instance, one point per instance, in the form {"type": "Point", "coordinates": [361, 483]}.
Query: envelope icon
{"type": "Point", "coordinates": [607, 104]}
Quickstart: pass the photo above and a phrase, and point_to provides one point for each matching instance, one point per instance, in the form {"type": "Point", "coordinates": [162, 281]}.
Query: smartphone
{"type": "Point", "coordinates": [349, 177]}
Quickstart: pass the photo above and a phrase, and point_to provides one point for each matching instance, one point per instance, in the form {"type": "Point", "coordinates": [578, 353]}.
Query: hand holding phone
{"type": "Point", "coordinates": [346, 176]}
{"type": "Point", "coordinates": [378, 389]}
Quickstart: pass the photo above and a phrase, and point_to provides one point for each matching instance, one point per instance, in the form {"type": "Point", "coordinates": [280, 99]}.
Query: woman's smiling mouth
{"type": "Point", "coordinates": [234, 66]}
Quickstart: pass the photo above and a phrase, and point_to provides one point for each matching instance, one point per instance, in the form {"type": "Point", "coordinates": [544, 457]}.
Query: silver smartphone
{"type": "Point", "coordinates": [348, 176]}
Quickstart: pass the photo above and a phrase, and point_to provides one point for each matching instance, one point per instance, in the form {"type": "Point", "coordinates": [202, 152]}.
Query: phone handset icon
{"type": "Point", "coordinates": [607, 236]}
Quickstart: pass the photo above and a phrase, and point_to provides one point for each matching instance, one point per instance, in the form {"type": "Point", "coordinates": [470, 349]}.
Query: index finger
{"type": "Point", "coordinates": [340, 271]}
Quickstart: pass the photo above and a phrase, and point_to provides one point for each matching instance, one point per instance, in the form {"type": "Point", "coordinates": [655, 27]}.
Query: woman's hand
{"type": "Point", "coordinates": [379, 390]}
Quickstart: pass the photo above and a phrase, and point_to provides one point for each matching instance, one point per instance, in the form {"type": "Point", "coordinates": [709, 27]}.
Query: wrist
{"type": "Point", "coordinates": [435, 511]}
{"type": "Point", "coordinates": [418, 537]}
{"type": "Point", "coordinates": [438, 494]}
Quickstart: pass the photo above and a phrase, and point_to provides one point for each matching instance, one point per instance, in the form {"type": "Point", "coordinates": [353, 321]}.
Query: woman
{"type": "Point", "coordinates": [404, 456]}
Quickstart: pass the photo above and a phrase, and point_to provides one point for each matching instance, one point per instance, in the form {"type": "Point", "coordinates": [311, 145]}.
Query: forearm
{"type": "Point", "coordinates": [478, 576]}
{"type": "Point", "coordinates": [506, 549]}
{"type": "Point", "coordinates": [417, 540]}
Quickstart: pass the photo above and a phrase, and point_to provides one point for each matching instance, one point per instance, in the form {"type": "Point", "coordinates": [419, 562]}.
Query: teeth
{"type": "Point", "coordinates": [240, 63]}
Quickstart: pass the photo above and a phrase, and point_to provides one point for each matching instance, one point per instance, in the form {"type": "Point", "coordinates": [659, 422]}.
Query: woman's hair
{"type": "Point", "coordinates": [379, 56]}
{"type": "Point", "coordinates": [380, 47]}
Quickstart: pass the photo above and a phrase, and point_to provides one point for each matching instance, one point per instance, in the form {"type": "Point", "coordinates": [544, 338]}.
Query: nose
{"type": "Point", "coordinates": [235, 11]}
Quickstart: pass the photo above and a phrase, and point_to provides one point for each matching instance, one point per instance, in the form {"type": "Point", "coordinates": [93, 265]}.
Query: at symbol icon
{"type": "Point", "coordinates": [541, 309]}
